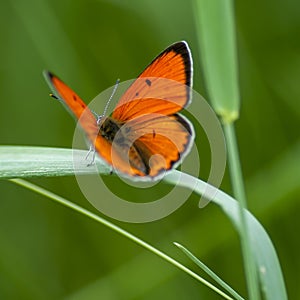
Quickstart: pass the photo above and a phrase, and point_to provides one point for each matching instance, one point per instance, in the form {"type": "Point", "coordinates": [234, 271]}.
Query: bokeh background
{"type": "Point", "coordinates": [50, 252]}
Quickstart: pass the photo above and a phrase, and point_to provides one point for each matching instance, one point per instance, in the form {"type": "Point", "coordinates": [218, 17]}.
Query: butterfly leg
{"type": "Point", "coordinates": [91, 150]}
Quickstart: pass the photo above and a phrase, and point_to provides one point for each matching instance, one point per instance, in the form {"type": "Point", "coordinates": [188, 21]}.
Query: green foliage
{"type": "Point", "coordinates": [50, 161]}
{"type": "Point", "coordinates": [48, 252]}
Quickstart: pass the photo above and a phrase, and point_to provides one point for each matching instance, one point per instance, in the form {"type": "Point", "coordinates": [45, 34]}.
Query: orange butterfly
{"type": "Point", "coordinates": [144, 136]}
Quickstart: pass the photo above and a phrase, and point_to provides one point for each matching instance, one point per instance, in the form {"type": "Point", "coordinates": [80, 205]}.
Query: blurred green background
{"type": "Point", "coordinates": [50, 252]}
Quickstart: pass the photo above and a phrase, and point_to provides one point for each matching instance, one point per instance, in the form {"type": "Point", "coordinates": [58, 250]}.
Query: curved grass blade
{"type": "Point", "coordinates": [39, 161]}
{"type": "Point", "coordinates": [117, 229]}
{"type": "Point", "coordinates": [266, 260]}
{"type": "Point", "coordinates": [26, 162]}
{"type": "Point", "coordinates": [207, 270]}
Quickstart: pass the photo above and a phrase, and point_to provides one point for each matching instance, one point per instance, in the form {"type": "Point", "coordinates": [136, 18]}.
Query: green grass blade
{"type": "Point", "coordinates": [239, 193]}
{"type": "Point", "coordinates": [264, 253]}
{"type": "Point", "coordinates": [212, 274]}
{"type": "Point", "coordinates": [117, 229]}
{"type": "Point", "coordinates": [26, 162]}
{"type": "Point", "coordinates": [33, 161]}
{"type": "Point", "coordinates": [218, 50]}
{"type": "Point", "coordinates": [216, 36]}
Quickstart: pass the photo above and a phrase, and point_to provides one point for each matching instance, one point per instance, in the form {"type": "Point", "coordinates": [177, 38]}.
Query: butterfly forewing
{"type": "Point", "coordinates": [163, 87]}
{"type": "Point", "coordinates": [74, 104]}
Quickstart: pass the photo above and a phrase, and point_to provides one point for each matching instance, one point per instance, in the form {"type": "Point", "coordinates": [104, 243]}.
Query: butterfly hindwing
{"type": "Point", "coordinates": [148, 145]}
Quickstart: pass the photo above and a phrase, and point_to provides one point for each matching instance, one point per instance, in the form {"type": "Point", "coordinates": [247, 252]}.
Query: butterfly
{"type": "Point", "coordinates": [145, 136]}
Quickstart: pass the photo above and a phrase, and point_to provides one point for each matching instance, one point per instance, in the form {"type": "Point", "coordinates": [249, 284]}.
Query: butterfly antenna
{"type": "Point", "coordinates": [111, 96]}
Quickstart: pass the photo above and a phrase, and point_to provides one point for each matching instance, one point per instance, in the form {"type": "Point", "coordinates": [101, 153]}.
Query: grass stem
{"type": "Point", "coordinates": [240, 195]}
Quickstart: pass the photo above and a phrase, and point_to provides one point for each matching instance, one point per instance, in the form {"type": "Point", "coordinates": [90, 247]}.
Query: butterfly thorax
{"type": "Point", "coordinates": [108, 128]}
